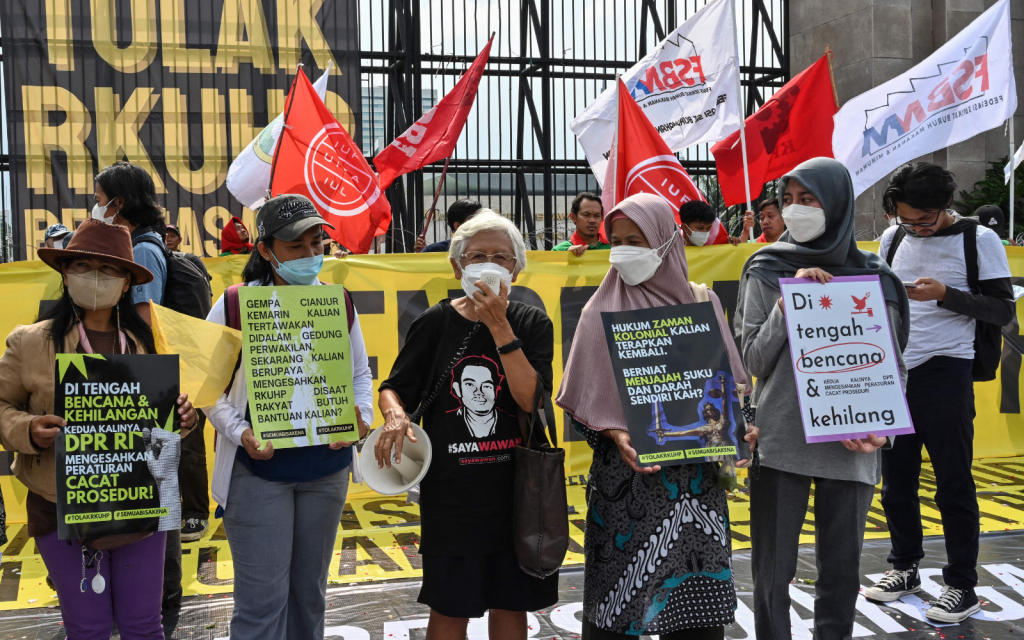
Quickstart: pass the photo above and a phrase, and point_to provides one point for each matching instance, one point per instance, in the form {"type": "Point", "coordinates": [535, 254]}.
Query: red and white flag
{"type": "Point", "coordinates": [641, 162]}
{"type": "Point", "coordinates": [433, 136]}
{"type": "Point", "coordinates": [316, 157]}
{"type": "Point", "coordinates": [793, 126]}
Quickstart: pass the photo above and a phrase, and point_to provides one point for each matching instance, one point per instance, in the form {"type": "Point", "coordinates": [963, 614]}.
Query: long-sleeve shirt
{"type": "Point", "coordinates": [781, 443]}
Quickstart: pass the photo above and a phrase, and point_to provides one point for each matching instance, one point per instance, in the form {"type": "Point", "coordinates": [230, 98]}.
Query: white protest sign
{"type": "Point", "coordinates": [844, 359]}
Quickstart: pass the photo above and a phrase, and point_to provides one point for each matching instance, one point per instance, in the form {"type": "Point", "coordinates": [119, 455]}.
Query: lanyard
{"type": "Point", "coordinates": [84, 339]}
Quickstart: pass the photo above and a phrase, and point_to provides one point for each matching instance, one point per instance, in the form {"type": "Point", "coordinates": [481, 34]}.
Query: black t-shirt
{"type": "Point", "coordinates": [466, 496]}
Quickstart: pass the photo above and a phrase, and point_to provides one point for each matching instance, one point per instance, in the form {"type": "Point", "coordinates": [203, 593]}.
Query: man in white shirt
{"type": "Point", "coordinates": [928, 248]}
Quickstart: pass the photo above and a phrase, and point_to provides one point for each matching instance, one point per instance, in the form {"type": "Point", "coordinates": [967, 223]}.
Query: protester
{"type": "Point", "coordinates": [702, 228]}
{"type": "Point", "coordinates": [940, 390]}
{"type": "Point", "coordinates": [126, 196]}
{"type": "Point", "coordinates": [95, 314]}
{"type": "Point", "coordinates": [496, 351]}
{"type": "Point", "coordinates": [991, 216]}
{"type": "Point", "coordinates": [54, 233]}
{"type": "Point", "coordinates": [325, 243]}
{"type": "Point", "coordinates": [282, 508]}
{"type": "Point", "coordinates": [586, 213]}
{"type": "Point", "coordinates": [458, 214]}
{"type": "Point", "coordinates": [770, 217]}
{"type": "Point", "coordinates": [819, 243]}
{"type": "Point", "coordinates": [172, 238]}
{"type": "Point", "coordinates": [643, 233]}
{"type": "Point", "coordinates": [234, 239]}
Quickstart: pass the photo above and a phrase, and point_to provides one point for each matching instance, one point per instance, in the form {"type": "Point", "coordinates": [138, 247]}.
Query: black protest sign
{"type": "Point", "coordinates": [675, 383]}
{"type": "Point", "coordinates": [117, 457]}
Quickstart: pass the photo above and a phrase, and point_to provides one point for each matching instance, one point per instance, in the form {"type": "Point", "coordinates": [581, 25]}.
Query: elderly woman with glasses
{"type": "Point", "coordinates": [468, 367]}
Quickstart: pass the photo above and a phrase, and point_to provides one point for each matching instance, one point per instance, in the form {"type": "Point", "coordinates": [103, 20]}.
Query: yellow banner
{"type": "Point", "coordinates": [389, 291]}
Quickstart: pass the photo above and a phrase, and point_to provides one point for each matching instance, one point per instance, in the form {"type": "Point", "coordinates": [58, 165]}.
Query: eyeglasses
{"type": "Point", "coordinates": [934, 216]}
{"type": "Point", "coordinates": [80, 266]}
{"type": "Point", "coordinates": [506, 260]}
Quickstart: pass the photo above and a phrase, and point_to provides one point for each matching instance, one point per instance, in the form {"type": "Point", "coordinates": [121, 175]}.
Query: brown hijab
{"type": "Point", "coordinates": [588, 390]}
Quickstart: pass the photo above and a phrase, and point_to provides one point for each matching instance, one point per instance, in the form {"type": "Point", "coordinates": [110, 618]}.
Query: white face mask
{"type": "Point", "coordinates": [804, 223]}
{"type": "Point", "coordinates": [699, 238]}
{"type": "Point", "coordinates": [100, 213]}
{"type": "Point", "coordinates": [94, 290]}
{"type": "Point", "coordinates": [637, 264]}
{"type": "Point", "coordinates": [472, 273]}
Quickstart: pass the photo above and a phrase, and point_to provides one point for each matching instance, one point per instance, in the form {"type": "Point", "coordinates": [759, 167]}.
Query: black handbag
{"type": "Point", "coordinates": [540, 520]}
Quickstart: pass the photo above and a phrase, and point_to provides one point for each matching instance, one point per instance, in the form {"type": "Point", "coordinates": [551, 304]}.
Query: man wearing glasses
{"type": "Point", "coordinates": [927, 246]}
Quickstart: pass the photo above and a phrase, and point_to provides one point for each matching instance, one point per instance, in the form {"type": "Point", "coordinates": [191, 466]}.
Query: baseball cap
{"type": "Point", "coordinates": [173, 229]}
{"type": "Point", "coordinates": [55, 231]}
{"type": "Point", "coordinates": [991, 216]}
{"type": "Point", "coordinates": [287, 217]}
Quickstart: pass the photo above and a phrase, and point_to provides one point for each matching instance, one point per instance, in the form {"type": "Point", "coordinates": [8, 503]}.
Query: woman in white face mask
{"type": "Point", "coordinates": [648, 270]}
{"type": "Point", "coordinates": [468, 366]}
{"type": "Point", "coordinates": [94, 314]}
{"type": "Point", "coordinates": [819, 243]}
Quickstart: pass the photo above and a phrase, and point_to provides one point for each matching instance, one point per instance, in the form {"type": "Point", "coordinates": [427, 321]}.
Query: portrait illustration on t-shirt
{"type": "Point", "coordinates": [476, 381]}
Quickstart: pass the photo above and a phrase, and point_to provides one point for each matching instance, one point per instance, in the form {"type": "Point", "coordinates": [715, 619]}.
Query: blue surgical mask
{"type": "Point", "coordinates": [301, 271]}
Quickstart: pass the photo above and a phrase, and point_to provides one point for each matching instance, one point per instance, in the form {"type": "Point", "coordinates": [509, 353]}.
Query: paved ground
{"type": "Point", "coordinates": [388, 610]}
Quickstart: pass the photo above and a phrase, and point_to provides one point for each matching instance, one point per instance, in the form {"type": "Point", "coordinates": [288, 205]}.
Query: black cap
{"type": "Point", "coordinates": [991, 216]}
{"type": "Point", "coordinates": [287, 217]}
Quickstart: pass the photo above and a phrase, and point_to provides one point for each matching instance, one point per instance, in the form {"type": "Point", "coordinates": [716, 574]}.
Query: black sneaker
{"type": "Point", "coordinates": [193, 529]}
{"type": "Point", "coordinates": [955, 605]}
{"type": "Point", "coordinates": [894, 585]}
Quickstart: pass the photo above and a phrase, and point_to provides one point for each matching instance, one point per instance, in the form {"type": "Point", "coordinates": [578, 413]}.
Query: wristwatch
{"type": "Point", "coordinates": [510, 347]}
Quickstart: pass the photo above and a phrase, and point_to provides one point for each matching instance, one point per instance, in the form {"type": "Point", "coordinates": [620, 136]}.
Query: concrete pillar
{"type": "Point", "coordinates": [877, 40]}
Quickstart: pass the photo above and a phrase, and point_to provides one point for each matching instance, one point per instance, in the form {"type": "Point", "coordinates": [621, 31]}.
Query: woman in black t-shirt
{"type": "Point", "coordinates": [499, 351]}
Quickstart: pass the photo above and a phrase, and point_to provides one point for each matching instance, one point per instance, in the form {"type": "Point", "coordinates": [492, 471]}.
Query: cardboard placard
{"type": "Point", "coordinates": [844, 359]}
{"type": "Point", "coordinates": [675, 383]}
{"type": "Point", "coordinates": [298, 373]}
{"type": "Point", "coordinates": [117, 457]}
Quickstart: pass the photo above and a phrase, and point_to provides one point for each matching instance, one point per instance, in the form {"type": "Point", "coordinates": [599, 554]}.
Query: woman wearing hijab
{"type": "Point", "coordinates": [818, 208]}
{"type": "Point", "coordinates": [689, 591]}
{"type": "Point", "coordinates": [234, 239]}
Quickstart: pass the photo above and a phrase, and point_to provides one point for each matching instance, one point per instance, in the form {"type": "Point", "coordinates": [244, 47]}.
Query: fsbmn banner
{"type": "Point", "coordinates": [179, 87]}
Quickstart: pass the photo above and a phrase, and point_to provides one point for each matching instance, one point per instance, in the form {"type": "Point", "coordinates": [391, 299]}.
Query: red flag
{"type": "Point", "coordinates": [641, 162]}
{"type": "Point", "coordinates": [773, 146]}
{"type": "Point", "coordinates": [316, 157]}
{"type": "Point", "coordinates": [433, 136]}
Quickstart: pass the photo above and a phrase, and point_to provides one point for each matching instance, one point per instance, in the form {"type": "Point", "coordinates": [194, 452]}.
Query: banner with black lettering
{"type": "Point", "coordinates": [178, 87]}
{"type": "Point", "coordinates": [117, 456]}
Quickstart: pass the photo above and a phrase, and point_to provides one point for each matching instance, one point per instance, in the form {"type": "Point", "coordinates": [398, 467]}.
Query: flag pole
{"type": "Point", "coordinates": [437, 194]}
{"type": "Point", "coordinates": [831, 75]}
{"type": "Point", "coordinates": [743, 123]}
{"type": "Point", "coordinates": [1011, 180]}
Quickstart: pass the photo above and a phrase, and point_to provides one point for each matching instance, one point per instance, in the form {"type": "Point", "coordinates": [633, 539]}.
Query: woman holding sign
{"type": "Point", "coordinates": [688, 592]}
{"type": "Point", "coordinates": [282, 507]}
{"type": "Point", "coordinates": [104, 580]}
{"type": "Point", "coordinates": [468, 366]}
{"type": "Point", "coordinates": [819, 243]}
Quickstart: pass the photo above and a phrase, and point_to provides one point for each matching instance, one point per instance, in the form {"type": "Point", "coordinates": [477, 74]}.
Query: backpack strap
{"type": "Point", "coordinates": [971, 258]}
{"type": "Point", "coordinates": [897, 238]}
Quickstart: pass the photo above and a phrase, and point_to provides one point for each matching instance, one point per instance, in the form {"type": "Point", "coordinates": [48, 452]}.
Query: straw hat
{"type": "Point", "coordinates": [102, 241]}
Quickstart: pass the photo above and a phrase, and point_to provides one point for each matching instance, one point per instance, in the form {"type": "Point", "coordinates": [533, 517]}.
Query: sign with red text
{"type": "Point", "coordinates": [844, 359]}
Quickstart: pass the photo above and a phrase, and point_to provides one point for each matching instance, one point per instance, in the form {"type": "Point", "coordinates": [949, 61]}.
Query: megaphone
{"type": "Point", "coordinates": [403, 475]}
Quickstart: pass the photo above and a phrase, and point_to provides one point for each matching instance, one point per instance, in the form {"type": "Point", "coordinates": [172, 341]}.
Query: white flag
{"type": "Point", "coordinates": [249, 175]}
{"type": "Point", "coordinates": [962, 89]}
{"type": "Point", "coordinates": [1013, 164]}
{"type": "Point", "coordinates": [686, 87]}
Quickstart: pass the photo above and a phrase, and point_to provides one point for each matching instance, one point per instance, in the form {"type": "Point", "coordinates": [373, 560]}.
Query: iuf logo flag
{"type": "Point", "coordinates": [641, 162]}
{"type": "Point", "coordinates": [961, 90]}
{"type": "Point", "coordinates": [433, 137]}
{"type": "Point", "coordinates": [794, 125]}
{"type": "Point", "coordinates": [317, 158]}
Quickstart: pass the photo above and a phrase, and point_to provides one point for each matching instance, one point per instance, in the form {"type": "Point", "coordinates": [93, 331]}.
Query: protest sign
{"type": "Point", "coordinates": [675, 384]}
{"type": "Point", "coordinates": [844, 359]}
{"type": "Point", "coordinates": [117, 457]}
{"type": "Point", "coordinates": [295, 350]}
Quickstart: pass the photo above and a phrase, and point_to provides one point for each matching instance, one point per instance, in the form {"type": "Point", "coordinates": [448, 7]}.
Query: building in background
{"type": "Point", "coordinates": [375, 109]}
